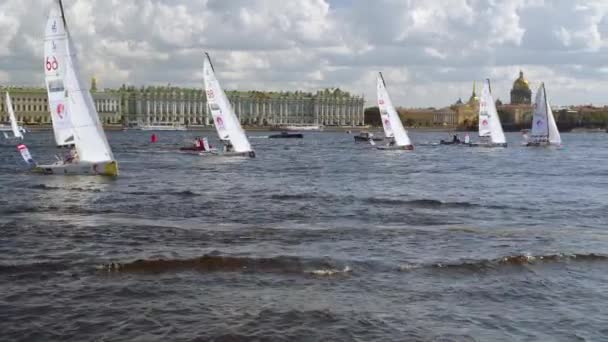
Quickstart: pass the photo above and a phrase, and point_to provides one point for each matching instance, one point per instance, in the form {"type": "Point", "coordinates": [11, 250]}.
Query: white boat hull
{"type": "Point", "coordinates": [163, 128]}
{"type": "Point", "coordinates": [108, 168]}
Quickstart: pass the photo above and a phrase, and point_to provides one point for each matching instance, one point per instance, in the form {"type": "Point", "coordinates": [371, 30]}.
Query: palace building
{"type": "Point", "coordinates": [31, 106]}
{"type": "Point", "coordinates": [188, 106]}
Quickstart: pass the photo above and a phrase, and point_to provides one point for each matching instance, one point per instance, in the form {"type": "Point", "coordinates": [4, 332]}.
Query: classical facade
{"type": "Point", "coordinates": [521, 93]}
{"type": "Point", "coordinates": [187, 106]}
{"type": "Point", "coordinates": [171, 105]}
{"type": "Point", "coordinates": [31, 106]}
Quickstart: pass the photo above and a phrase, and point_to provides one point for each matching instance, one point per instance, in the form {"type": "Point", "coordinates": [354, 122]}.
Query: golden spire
{"type": "Point", "coordinates": [93, 84]}
{"type": "Point", "coordinates": [473, 99]}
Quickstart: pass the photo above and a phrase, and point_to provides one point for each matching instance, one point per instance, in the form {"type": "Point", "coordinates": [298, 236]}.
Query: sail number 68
{"type": "Point", "coordinates": [51, 64]}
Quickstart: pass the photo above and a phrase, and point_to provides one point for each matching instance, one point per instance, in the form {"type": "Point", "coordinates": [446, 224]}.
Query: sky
{"type": "Point", "coordinates": [429, 51]}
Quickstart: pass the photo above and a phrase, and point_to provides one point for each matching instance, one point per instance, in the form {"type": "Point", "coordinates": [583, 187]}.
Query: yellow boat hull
{"type": "Point", "coordinates": [108, 168]}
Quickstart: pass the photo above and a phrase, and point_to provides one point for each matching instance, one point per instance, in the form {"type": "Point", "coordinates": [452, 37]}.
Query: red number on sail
{"type": "Point", "coordinates": [210, 93]}
{"type": "Point", "coordinates": [52, 64]}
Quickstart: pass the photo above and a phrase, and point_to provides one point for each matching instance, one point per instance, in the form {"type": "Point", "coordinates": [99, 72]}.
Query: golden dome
{"type": "Point", "coordinates": [521, 82]}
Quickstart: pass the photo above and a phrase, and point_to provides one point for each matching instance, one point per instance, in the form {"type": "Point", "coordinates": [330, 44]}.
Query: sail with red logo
{"type": "Point", "coordinates": [490, 128]}
{"type": "Point", "coordinates": [226, 122]}
{"type": "Point", "coordinates": [393, 127]}
{"type": "Point", "coordinates": [74, 116]}
{"type": "Point", "coordinates": [55, 58]}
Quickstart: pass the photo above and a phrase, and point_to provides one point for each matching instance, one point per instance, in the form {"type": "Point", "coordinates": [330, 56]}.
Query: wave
{"type": "Point", "coordinates": [37, 267]}
{"type": "Point", "coordinates": [511, 260]}
{"type": "Point", "coordinates": [184, 193]}
{"type": "Point", "coordinates": [49, 187]}
{"type": "Point", "coordinates": [217, 263]}
{"type": "Point", "coordinates": [289, 197]}
{"type": "Point", "coordinates": [420, 203]}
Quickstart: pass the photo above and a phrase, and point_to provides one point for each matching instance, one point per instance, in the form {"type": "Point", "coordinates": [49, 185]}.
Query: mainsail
{"type": "Point", "coordinates": [226, 122]}
{"type": "Point", "coordinates": [393, 128]}
{"type": "Point", "coordinates": [540, 124]}
{"type": "Point", "coordinates": [543, 121]}
{"type": "Point", "coordinates": [11, 114]}
{"type": "Point", "coordinates": [70, 102]}
{"type": "Point", "coordinates": [55, 63]}
{"type": "Point", "coordinates": [489, 122]}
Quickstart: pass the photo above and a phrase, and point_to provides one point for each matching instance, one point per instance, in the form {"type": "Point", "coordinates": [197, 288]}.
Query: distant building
{"type": "Point", "coordinates": [167, 105]}
{"type": "Point", "coordinates": [31, 106]}
{"type": "Point", "coordinates": [521, 93]}
{"type": "Point", "coordinates": [188, 106]}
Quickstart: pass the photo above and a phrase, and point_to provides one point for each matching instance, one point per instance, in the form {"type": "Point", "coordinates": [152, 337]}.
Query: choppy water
{"type": "Point", "coordinates": [315, 239]}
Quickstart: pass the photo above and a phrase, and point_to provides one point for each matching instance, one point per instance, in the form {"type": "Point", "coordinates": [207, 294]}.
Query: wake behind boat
{"type": "Point", "coordinates": [490, 129]}
{"type": "Point", "coordinates": [225, 120]}
{"type": "Point", "coordinates": [394, 132]}
{"type": "Point", "coordinates": [544, 128]}
{"type": "Point", "coordinates": [75, 120]}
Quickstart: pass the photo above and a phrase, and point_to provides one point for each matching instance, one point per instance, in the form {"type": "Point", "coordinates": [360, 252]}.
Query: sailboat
{"type": "Point", "coordinates": [544, 128]}
{"type": "Point", "coordinates": [225, 120]}
{"type": "Point", "coordinates": [490, 129]}
{"type": "Point", "coordinates": [75, 120]}
{"type": "Point", "coordinates": [393, 128]}
{"type": "Point", "coordinates": [17, 131]}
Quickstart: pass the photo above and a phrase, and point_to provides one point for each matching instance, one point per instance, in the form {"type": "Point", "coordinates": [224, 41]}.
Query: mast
{"type": "Point", "coordinates": [65, 24]}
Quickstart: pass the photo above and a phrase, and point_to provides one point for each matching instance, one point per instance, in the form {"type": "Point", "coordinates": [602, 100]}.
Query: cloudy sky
{"type": "Point", "coordinates": [430, 51]}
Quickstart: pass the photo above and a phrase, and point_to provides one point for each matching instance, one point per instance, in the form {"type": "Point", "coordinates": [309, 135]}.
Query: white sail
{"type": "Point", "coordinates": [489, 122]}
{"type": "Point", "coordinates": [390, 119]}
{"type": "Point", "coordinates": [55, 62]}
{"type": "Point", "coordinates": [63, 69]}
{"type": "Point", "coordinates": [540, 122]}
{"type": "Point", "coordinates": [226, 122]}
{"type": "Point", "coordinates": [11, 114]}
{"type": "Point", "coordinates": [554, 136]}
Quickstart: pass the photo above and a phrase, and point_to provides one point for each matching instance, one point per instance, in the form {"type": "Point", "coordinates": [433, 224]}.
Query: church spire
{"type": "Point", "coordinates": [473, 99]}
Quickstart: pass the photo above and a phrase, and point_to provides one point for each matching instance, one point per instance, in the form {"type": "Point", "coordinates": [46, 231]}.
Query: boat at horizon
{"type": "Point", "coordinates": [162, 127]}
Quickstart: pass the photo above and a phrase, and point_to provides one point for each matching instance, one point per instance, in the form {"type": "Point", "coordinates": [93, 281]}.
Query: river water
{"type": "Point", "coordinates": [315, 239]}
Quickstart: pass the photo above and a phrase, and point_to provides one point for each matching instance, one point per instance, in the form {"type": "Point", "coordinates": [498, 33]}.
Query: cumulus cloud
{"type": "Point", "coordinates": [429, 50]}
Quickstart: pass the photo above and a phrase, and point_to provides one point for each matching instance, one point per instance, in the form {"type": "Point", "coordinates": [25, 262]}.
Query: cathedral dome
{"type": "Point", "coordinates": [521, 93]}
{"type": "Point", "coordinates": [521, 83]}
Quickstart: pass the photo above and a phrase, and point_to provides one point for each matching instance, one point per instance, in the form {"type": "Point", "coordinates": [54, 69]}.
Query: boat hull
{"type": "Point", "coordinates": [286, 136]}
{"type": "Point", "coordinates": [397, 148]}
{"type": "Point", "coordinates": [443, 142]}
{"type": "Point", "coordinates": [487, 145]}
{"type": "Point", "coordinates": [107, 168]}
{"type": "Point", "coordinates": [540, 144]}
{"type": "Point", "coordinates": [364, 139]}
{"type": "Point", "coordinates": [250, 154]}
{"type": "Point", "coordinates": [162, 128]}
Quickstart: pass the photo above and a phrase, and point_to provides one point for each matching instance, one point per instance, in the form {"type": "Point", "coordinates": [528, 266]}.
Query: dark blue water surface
{"type": "Point", "coordinates": [315, 239]}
